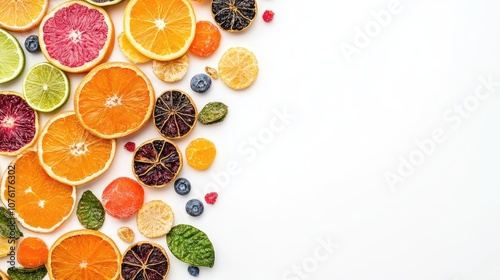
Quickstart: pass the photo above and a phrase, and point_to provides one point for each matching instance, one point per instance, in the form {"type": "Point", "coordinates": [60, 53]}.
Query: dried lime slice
{"type": "Point", "coordinates": [11, 57]}
{"type": "Point", "coordinates": [191, 245]}
{"type": "Point", "coordinates": [172, 70]}
{"type": "Point", "coordinates": [90, 211]}
{"type": "Point", "coordinates": [46, 87]}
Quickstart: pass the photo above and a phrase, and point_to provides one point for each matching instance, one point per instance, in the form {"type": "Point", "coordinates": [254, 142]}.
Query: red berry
{"type": "Point", "coordinates": [210, 198]}
{"type": "Point", "coordinates": [268, 15]}
{"type": "Point", "coordinates": [130, 146]}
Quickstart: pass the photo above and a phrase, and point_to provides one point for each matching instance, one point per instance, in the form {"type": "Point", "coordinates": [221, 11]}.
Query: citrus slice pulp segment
{"type": "Point", "coordinates": [145, 260]}
{"type": "Point", "coordinates": [18, 124]}
{"type": "Point", "coordinates": [234, 15]}
{"type": "Point", "coordinates": [161, 30]}
{"type": "Point", "coordinates": [84, 254]}
{"type": "Point", "coordinates": [238, 68]}
{"type": "Point", "coordinates": [173, 70]}
{"type": "Point", "coordinates": [156, 163]}
{"type": "Point", "coordinates": [22, 15]}
{"type": "Point", "coordinates": [115, 99]}
{"type": "Point", "coordinates": [76, 36]}
{"type": "Point", "coordinates": [42, 203]}
{"type": "Point", "coordinates": [129, 51]}
{"type": "Point", "coordinates": [174, 114]}
{"type": "Point", "coordinates": [70, 154]}
{"type": "Point", "coordinates": [155, 219]}
{"type": "Point", "coordinates": [46, 87]}
{"type": "Point", "coordinates": [11, 57]}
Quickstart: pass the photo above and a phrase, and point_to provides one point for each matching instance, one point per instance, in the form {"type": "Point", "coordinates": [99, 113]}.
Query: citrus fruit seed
{"type": "Point", "coordinates": [42, 203]}
{"type": "Point", "coordinates": [200, 153]}
{"type": "Point", "coordinates": [11, 57]}
{"type": "Point", "coordinates": [174, 114]}
{"type": "Point", "coordinates": [238, 68]}
{"type": "Point", "coordinates": [122, 198]}
{"type": "Point", "coordinates": [161, 30]}
{"type": "Point", "coordinates": [76, 36]}
{"type": "Point", "coordinates": [145, 260]}
{"type": "Point", "coordinates": [114, 100]}
{"type": "Point", "coordinates": [155, 219]}
{"type": "Point", "coordinates": [18, 124]}
{"type": "Point", "coordinates": [22, 15]}
{"type": "Point", "coordinates": [156, 163]}
{"type": "Point", "coordinates": [46, 87]}
{"type": "Point", "coordinates": [172, 70]}
{"type": "Point", "coordinates": [32, 252]}
{"type": "Point", "coordinates": [70, 154]}
{"type": "Point", "coordinates": [206, 39]}
{"type": "Point", "coordinates": [234, 15]}
{"type": "Point", "coordinates": [129, 51]}
{"type": "Point", "coordinates": [84, 254]}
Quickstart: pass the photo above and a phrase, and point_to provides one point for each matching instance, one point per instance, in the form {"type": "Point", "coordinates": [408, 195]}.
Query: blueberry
{"type": "Point", "coordinates": [193, 270]}
{"type": "Point", "coordinates": [31, 44]}
{"type": "Point", "coordinates": [201, 83]}
{"type": "Point", "coordinates": [182, 186]}
{"type": "Point", "coordinates": [194, 207]}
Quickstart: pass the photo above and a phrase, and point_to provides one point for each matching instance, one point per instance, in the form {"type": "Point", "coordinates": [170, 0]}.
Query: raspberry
{"type": "Point", "coordinates": [268, 15]}
{"type": "Point", "coordinates": [130, 146]}
{"type": "Point", "coordinates": [210, 198]}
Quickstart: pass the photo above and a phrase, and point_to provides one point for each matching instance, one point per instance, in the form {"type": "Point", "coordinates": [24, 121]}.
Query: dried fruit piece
{"type": "Point", "coordinates": [200, 153]}
{"type": "Point", "coordinates": [213, 112]}
{"type": "Point", "coordinates": [5, 246]}
{"type": "Point", "coordinates": [130, 146]}
{"type": "Point", "coordinates": [212, 72]}
{"type": "Point", "coordinates": [268, 16]}
{"type": "Point", "coordinates": [172, 70]}
{"type": "Point", "coordinates": [145, 260]}
{"type": "Point", "coordinates": [18, 124]}
{"type": "Point", "coordinates": [3, 275]}
{"type": "Point", "coordinates": [238, 68]}
{"type": "Point", "coordinates": [7, 228]}
{"type": "Point", "coordinates": [155, 219]}
{"type": "Point", "coordinates": [206, 39]}
{"type": "Point", "coordinates": [21, 273]}
{"type": "Point", "coordinates": [90, 211]}
{"type": "Point", "coordinates": [156, 163]}
{"type": "Point", "coordinates": [126, 234]}
{"type": "Point", "coordinates": [211, 197]}
{"type": "Point", "coordinates": [234, 15]}
{"type": "Point", "coordinates": [129, 51]}
{"type": "Point", "coordinates": [191, 245]}
{"type": "Point", "coordinates": [122, 198]}
{"type": "Point", "coordinates": [32, 252]}
{"type": "Point", "coordinates": [174, 114]}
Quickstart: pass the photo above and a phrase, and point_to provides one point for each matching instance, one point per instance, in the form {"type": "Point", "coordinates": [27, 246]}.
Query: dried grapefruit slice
{"type": "Point", "coordinates": [18, 124]}
{"type": "Point", "coordinates": [70, 154]}
{"type": "Point", "coordinates": [161, 30]}
{"type": "Point", "coordinates": [156, 163]}
{"type": "Point", "coordinates": [113, 100]}
{"type": "Point", "coordinates": [22, 15]}
{"type": "Point", "coordinates": [145, 260]}
{"type": "Point", "coordinates": [76, 36]}
{"type": "Point", "coordinates": [42, 204]}
{"type": "Point", "coordinates": [174, 114]}
{"type": "Point", "coordinates": [84, 254]}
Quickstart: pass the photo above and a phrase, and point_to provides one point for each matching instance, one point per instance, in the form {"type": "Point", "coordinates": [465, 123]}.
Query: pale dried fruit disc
{"type": "Point", "coordinates": [155, 219]}
{"type": "Point", "coordinates": [172, 70]}
{"type": "Point", "coordinates": [238, 68]}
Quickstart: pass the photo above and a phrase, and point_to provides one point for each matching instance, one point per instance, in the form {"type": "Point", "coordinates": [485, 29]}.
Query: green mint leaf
{"type": "Point", "coordinates": [90, 212]}
{"type": "Point", "coordinates": [191, 245]}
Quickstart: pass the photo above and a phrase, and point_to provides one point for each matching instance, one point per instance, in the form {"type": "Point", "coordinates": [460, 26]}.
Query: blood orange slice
{"type": "Point", "coordinates": [18, 124]}
{"type": "Point", "coordinates": [76, 36]}
{"type": "Point", "coordinates": [174, 114]}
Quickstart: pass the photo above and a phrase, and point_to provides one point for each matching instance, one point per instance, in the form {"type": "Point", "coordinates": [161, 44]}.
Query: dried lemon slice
{"type": "Point", "coordinates": [172, 70]}
{"type": "Point", "coordinates": [155, 219]}
{"type": "Point", "coordinates": [238, 68]}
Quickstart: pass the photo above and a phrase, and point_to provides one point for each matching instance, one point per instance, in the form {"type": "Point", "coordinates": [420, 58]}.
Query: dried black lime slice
{"type": "Point", "coordinates": [21, 273]}
{"type": "Point", "coordinates": [174, 114]}
{"type": "Point", "coordinates": [213, 112]}
{"type": "Point", "coordinates": [156, 163]}
{"type": "Point", "coordinates": [234, 15]}
{"type": "Point", "coordinates": [90, 211]}
{"type": "Point", "coordinates": [8, 225]}
{"type": "Point", "coordinates": [191, 245]}
{"type": "Point", "coordinates": [145, 260]}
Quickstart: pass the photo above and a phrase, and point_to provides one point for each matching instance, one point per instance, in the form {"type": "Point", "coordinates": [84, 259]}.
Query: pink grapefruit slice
{"type": "Point", "coordinates": [76, 36]}
{"type": "Point", "coordinates": [18, 124]}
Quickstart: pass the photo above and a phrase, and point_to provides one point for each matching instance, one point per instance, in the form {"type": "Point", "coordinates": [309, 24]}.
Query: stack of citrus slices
{"type": "Point", "coordinates": [61, 148]}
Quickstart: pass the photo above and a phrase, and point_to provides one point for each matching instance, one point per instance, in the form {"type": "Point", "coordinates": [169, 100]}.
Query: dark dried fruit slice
{"type": "Point", "coordinates": [174, 114]}
{"type": "Point", "coordinates": [156, 163]}
{"type": "Point", "coordinates": [145, 260]}
{"type": "Point", "coordinates": [234, 15]}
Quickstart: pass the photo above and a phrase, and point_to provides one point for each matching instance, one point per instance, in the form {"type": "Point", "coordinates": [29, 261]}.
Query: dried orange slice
{"type": "Point", "coordinates": [71, 154]}
{"type": "Point", "coordinates": [161, 30]}
{"type": "Point", "coordinates": [156, 163]}
{"type": "Point", "coordinates": [76, 36]}
{"type": "Point", "coordinates": [84, 254]}
{"type": "Point", "coordinates": [114, 100]}
{"type": "Point", "coordinates": [200, 153]}
{"type": "Point", "coordinates": [22, 15]}
{"type": "Point", "coordinates": [42, 204]}
{"type": "Point", "coordinates": [145, 260]}
{"type": "Point", "coordinates": [238, 68]}
{"type": "Point", "coordinates": [171, 71]}
{"type": "Point", "coordinates": [18, 124]}
{"type": "Point", "coordinates": [155, 219]}
{"type": "Point", "coordinates": [129, 51]}
{"type": "Point", "coordinates": [174, 114]}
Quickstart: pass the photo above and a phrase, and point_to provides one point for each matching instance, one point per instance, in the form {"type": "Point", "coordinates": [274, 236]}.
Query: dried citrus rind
{"type": "Point", "coordinates": [174, 114]}
{"type": "Point", "coordinates": [145, 260]}
{"type": "Point", "coordinates": [234, 15]}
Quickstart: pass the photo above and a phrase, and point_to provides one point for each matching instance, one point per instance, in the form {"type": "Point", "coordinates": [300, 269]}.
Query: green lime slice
{"type": "Point", "coordinates": [46, 87]}
{"type": "Point", "coordinates": [11, 57]}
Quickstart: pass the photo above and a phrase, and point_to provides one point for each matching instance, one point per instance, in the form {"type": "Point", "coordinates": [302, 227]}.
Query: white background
{"type": "Point", "coordinates": [321, 176]}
